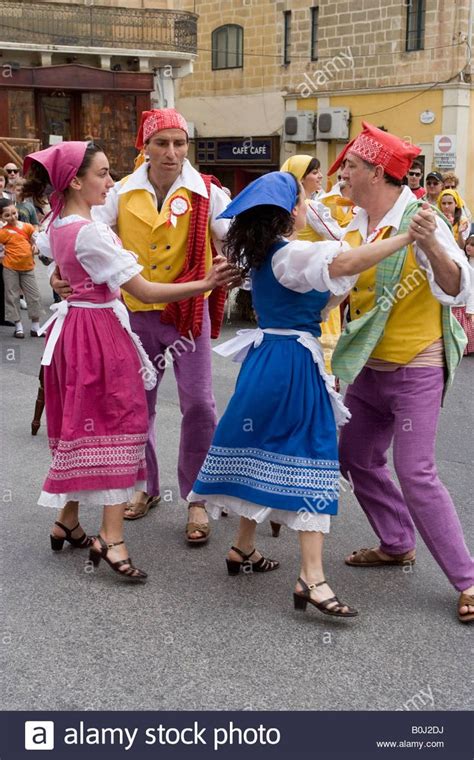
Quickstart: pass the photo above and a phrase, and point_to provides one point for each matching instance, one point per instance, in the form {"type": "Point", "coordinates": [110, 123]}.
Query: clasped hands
{"type": "Point", "coordinates": [423, 227]}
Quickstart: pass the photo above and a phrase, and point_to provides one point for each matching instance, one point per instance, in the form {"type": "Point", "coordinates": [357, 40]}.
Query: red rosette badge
{"type": "Point", "coordinates": [179, 206]}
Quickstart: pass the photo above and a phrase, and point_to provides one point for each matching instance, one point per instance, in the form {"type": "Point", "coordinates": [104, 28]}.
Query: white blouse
{"type": "Point", "coordinates": [470, 298]}
{"type": "Point", "coordinates": [99, 251]}
{"type": "Point", "coordinates": [303, 266]}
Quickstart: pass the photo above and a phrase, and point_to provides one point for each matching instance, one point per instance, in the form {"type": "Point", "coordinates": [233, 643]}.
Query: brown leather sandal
{"type": "Point", "coordinates": [195, 527]}
{"type": "Point", "coordinates": [123, 567]}
{"type": "Point", "coordinates": [371, 558]}
{"type": "Point", "coordinates": [465, 600]}
{"type": "Point", "coordinates": [331, 606]}
{"type": "Point", "coordinates": [262, 565]}
{"type": "Point", "coordinates": [141, 508]}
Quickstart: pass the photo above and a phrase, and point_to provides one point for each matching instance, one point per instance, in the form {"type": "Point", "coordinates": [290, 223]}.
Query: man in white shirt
{"type": "Point", "coordinates": [395, 398]}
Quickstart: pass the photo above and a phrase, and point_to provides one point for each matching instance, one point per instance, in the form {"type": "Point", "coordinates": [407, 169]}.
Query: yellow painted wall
{"type": "Point", "coordinates": [469, 194]}
{"type": "Point", "coordinates": [402, 118]}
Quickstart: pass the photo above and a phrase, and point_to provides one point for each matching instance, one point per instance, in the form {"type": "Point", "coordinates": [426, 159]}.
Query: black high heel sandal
{"type": "Point", "coordinates": [301, 599]}
{"type": "Point", "coordinates": [131, 573]}
{"type": "Point", "coordinates": [275, 526]}
{"type": "Point", "coordinates": [262, 565]}
{"type": "Point", "coordinates": [57, 543]}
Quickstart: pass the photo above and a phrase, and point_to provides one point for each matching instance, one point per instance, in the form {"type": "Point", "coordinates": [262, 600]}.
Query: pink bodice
{"type": "Point", "coordinates": [63, 246]}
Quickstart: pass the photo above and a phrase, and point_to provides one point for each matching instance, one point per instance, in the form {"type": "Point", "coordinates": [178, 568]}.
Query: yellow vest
{"type": "Point", "coordinates": [331, 329]}
{"type": "Point", "coordinates": [160, 246]}
{"type": "Point", "coordinates": [341, 213]}
{"type": "Point", "coordinates": [415, 320]}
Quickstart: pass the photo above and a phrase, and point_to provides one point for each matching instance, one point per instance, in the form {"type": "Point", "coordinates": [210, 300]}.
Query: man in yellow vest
{"type": "Point", "coordinates": [395, 399]}
{"type": "Point", "coordinates": [166, 213]}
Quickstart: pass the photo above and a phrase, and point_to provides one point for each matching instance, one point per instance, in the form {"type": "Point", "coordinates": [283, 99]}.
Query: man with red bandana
{"type": "Point", "coordinates": [399, 353]}
{"type": "Point", "coordinates": [166, 213]}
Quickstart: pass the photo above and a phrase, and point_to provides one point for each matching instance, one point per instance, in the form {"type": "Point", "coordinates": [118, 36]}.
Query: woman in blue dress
{"type": "Point", "coordinates": [274, 453]}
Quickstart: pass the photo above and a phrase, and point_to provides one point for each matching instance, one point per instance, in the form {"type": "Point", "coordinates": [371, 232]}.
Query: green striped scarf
{"type": "Point", "coordinates": [361, 336]}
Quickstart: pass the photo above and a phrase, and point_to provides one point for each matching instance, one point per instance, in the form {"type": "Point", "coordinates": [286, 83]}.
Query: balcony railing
{"type": "Point", "coordinates": [97, 26]}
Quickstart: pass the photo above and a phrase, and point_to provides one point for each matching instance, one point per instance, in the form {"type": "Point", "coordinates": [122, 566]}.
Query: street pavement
{"type": "Point", "coordinates": [193, 637]}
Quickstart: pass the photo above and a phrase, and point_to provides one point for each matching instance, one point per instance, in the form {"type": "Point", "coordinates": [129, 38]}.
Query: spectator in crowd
{"type": "Point", "coordinates": [25, 208]}
{"type": "Point", "coordinates": [415, 179]}
{"type": "Point", "coordinates": [3, 182]}
{"type": "Point", "coordinates": [450, 203]}
{"type": "Point", "coordinates": [434, 185]}
{"type": "Point", "coordinates": [465, 314]}
{"type": "Point", "coordinates": [18, 241]}
{"type": "Point", "coordinates": [12, 173]}
{"type": "Point", "coordinates": [451, 182]}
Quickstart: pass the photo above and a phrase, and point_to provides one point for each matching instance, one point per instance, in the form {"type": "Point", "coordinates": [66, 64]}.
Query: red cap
{"type": "Point", "coordinates": [380, 148]}
{"type": "Point", "coordinates": [156, 120]}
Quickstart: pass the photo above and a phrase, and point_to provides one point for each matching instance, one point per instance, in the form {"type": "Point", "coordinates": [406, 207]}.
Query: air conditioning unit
{"type": "Point", "coordinates": [299, 126]}
{"type": "Point", "coordinates": [333, 124]}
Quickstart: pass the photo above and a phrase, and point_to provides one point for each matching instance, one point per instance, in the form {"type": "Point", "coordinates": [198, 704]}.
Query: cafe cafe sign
{"type": "Point", "coordinates": [250, 149]}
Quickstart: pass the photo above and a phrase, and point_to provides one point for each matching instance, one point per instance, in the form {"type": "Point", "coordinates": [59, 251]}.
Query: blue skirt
{"type": "Point", "coordinates": [276, 444]}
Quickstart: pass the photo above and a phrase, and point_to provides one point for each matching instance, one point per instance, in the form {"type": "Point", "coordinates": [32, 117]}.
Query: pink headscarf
{"type": "Point", "coordinates": [62, 162]}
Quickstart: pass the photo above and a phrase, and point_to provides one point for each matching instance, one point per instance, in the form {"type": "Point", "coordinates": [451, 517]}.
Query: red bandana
{"type": "Point", "coordinates": [156, 120]}
{"type": "Point", "coordinates": [380, 148]}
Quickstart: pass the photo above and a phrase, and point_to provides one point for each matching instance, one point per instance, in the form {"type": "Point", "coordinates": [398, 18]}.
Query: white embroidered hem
{"type": "Point", "coordinates": [215, 503]}
{"type": "Point", "coordinates": [90, 498]}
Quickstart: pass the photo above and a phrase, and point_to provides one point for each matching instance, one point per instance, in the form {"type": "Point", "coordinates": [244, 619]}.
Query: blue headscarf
{"type": "Point", "coordinates": [273, 189]}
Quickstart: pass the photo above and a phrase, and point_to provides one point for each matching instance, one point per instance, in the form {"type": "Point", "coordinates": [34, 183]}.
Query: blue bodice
{"type": "Point", "coordinates": [280, 307]}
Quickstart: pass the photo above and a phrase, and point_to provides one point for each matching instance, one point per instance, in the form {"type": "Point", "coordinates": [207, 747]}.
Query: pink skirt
{"type": "Point", "coordinates": [96, 407]}
{"type": "Point", "coordinates": [467, 325]}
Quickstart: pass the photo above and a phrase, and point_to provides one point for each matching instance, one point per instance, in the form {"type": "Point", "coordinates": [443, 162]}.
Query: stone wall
{"type": "Point", "coordinates": [361, 46]}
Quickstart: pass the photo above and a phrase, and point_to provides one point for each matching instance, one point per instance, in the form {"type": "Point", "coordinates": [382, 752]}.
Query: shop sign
{"type": "Point", "coordinates": [246, 149]}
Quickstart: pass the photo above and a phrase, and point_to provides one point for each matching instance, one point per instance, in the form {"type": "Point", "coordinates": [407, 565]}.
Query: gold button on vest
{"type": "Point", "coordinates": [160, 246]}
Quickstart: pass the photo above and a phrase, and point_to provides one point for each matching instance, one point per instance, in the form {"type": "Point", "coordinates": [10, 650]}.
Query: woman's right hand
{"type": "Point", "coordinates": [223, 274]}
{"type": "Point", "coordinates": [61, 287]}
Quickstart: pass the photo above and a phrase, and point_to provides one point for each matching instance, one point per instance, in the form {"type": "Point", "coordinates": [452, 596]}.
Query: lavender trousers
{"type": "Point", "coordinates": [191, 360]}
{"type": "Point", "coordinates": [403, 407]}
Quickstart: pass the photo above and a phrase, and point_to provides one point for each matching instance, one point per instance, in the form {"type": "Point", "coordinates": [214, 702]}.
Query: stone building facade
{"type": "Point", "coordinates": [71, 70]}
{"type": "Point", "coordinates": [356, 55]}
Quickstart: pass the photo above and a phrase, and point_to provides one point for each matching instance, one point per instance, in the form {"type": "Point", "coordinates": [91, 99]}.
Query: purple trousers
{"type": "Point", "coordinates": [191, 361]}
{"type": "Point", "coordinates": [402, 408]}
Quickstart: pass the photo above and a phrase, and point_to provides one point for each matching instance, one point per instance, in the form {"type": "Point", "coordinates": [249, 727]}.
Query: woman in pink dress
{"type": "Point", "coordinates": [96, 370]}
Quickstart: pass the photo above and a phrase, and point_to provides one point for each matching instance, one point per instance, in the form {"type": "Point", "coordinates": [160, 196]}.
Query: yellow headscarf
{"type": "Point", "coordinates": [297, 165]}
{"type": "Point", "coordinates": [457, 198]}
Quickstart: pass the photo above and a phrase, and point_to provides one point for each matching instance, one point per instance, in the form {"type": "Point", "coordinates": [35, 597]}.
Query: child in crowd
{"type": "Point", "coordinates": [274, 453]}
{"type": "Point", "coordinates": [96, 369]}
{"type": "Point", "coordinates": [26, 210]}
{"type": "Point", "coordinates": [465, 314]}
{"type": "Point", "coordinates": [18, 241]}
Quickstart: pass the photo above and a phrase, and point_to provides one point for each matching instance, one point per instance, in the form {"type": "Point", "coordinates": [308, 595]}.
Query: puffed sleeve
{"type": "Point", "coordinates": [219, 227]}
{"type": "Point", "coordinates": [445, 237]}
{"type": "Point", "coordinates": [303, 266]}
{"type": "Point", "coordinates": [318, 216]}
{"type": "Point", "coordinates": [99, 251]}
{"type": "Point", "coordinates": [108, 212]}
{"type": "Point", "coordinates": [44, 246]}
{"type": "Point", "coordinates": [470, 297]}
